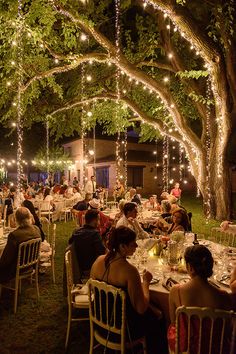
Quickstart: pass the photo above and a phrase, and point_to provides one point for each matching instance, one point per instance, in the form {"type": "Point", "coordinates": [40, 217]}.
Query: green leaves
{"type": "Point", "coordinates": [193, 74]}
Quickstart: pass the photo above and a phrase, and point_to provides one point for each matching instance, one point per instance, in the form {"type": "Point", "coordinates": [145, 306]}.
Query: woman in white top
{"type": "Point", "coordinates": [47, 198]}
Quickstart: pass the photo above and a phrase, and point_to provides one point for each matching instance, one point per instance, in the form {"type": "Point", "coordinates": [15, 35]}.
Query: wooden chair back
{"type": "Point", "coordinates": [107, 309]}
{"type": "Point", "coordinates": [205, 331]}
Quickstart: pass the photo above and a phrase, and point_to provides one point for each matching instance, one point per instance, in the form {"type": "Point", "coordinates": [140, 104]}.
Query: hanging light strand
{"type": "Point", "coordinates": [47, 145]}
{"type": "Point", "coordinates": [208, 160]}
{"type": "Point", "coordinates": [82, 128]}
{"type": "Point", "coordinates": [117, 43]}
{"type": "Point", "coordinates": [19, 104]}
{"type": "Point", "coordinates": [125, 160]}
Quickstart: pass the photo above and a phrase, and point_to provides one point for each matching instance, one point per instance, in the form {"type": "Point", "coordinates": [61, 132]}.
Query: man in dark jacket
{"type": "Point", "coordinates": [82, 204]}
{"type": "Point", "coordinates": [87, 242]}
{"type": "Point", "coordinates": [25, 232]}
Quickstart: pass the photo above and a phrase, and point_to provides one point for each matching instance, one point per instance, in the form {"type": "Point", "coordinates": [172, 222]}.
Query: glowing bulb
{"type": "Point", "coordinates": [124, 91]}
{"type": "Point", "coordinates": [166, 79]}
{"type": "Point", "coordinates": [83, 37]}
{"type": "Point", "coordinates": [144, 4]}
{"type": "Point", "coordinates": [165, 156]}
{"type": "Point", "coordinates": [29, 34]}
{"type": "Point", "coordinates": [175, 29]}
{"type": "Point", "coordinates": [14, 43]}
{"type": "Point", "coordinates": [89, 78]}
{"type": "Point", "coordinates": [170, 55]}
{"type": "Point", "coordinates": [109, 64]}
{"type": "Point", "coordinates": [168, 26]}
{"type": "Point", "coordinates": [157, 165]}
{"type": "Point", "coordinates": [185, 181]}
{"type": "Point", "coordinates": [91, 152]}
{"type": "Point", "coordinates": [192, 47]}
{"type": "Point", "coordinates": [173, 169]}
{"type": "Point", "coordinates": [89, 114]}
{"type": "Point", "coordinates": [56, 61]}
{"type": "Point", "coordinates": [90, 62]}
{"type": "Point", "coordinates": [170, 130]}
{"type": "Point", "coordinates": [14, 104]}
{"type": "Point", "coordinates": [144, 87]}
{"type": "Point", "coordinates": [155, 177]}
{"type": "Point", "coordinates": [8, 83]}
{"type": "Point", "coordinates": [13, 63]}
{"type": "Point", "coordinates": [165, 15]}
{"type": "Point", "coordinates": [154, 152]}
{"type": "Point", "coordinates": [172, 105]}
{"type": "Point", "coordinates": [41, 45]}
{"type": "Point", "coordinates": [130, 79]}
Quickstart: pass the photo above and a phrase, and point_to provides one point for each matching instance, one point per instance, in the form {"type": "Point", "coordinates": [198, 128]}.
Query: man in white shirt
{"type": "Point", "coordinates": [90, 186]}
{"type": "Point", "coordinates": [129, 220]}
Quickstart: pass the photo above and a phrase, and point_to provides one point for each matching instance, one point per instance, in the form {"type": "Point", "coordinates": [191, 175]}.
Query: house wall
{"type": "Point", "coordinates": [107, 147]}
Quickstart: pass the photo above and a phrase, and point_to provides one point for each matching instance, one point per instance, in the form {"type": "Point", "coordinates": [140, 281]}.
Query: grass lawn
{"type": "Point", "coordinates": [40, 327]}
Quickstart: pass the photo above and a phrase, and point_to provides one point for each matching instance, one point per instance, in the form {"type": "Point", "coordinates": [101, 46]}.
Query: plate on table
{"type": "Point", "coordinates": [224, 279]}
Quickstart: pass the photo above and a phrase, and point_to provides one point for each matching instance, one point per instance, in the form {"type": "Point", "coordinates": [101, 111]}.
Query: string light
{"type": "Point", "coordinates": [19, 99]}
{"type": "Point", "coordinates": [47, 145]}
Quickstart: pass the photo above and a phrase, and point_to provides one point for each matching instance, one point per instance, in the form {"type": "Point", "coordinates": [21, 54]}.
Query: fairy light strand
{"type": "Point", "coordinates": [47, 145]}
{"type": "Point", "coordinates": [117, 44]}
{"type": "Point", "coordinates": [19, 105]}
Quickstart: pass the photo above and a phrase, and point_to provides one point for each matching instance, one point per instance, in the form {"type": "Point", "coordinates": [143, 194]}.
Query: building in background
{"type": "Point", "coordinates": [144, 165]}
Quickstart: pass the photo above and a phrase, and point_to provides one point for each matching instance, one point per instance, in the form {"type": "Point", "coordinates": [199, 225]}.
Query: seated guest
{"type": "Point", "coordinates": [121, 205]}
{"type": "Point", "coordinates": [152, 204]}
{"type": "Point", "coordinates": [164, 196]}
{"type": "Point", "coordinates": [76, 193]}
{"type": "Point", "coordinates": [134, 197]}
{"type": "Point", "coordinates": [166, 208]}
{"type": "Point", "coordinates": [180, 222]}
{"type": "Point", "coordinates": [114, 269]}
{"type": "Point", "coordinates": [87, 242]}
{"type": "Point", "coordinates": [104, 222]}
{"type": "Point", "coordinates": [173, 202]}
{"type": "Point", "coordinates": [197, 292]}
{"type": "Point", "coordinates": [47, 197]}
{"type": "Point", "coordinates": [118, 192]}
{"type": "Point", "coordinates": [29, 205]}
{"type": "Point", "coordinates": [25, 232]}
{"type": "Point", "coordinates": [129, 220]}
{"type": "Point", "coordinates": [82, 204]}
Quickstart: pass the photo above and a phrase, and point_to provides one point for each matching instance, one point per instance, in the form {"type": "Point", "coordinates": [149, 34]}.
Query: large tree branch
{"type": "Point", "coordinates": [179, 120]}
{"type": "Point", "coordinates": [156, 64]}
{"type": "Point", "coordinates": [99, 57]}
{"type": "Point", "coordinates": [183, 18]}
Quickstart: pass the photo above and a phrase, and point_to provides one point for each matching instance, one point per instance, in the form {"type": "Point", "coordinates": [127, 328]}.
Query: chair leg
{"type": "Point", "coordinates": [91, 342]}
{"type": "Point", "coordinates": [68, 326]}
{"type": "Point", "coordinates": [20, 286]}
{"type": "Point", "coordinates": [53, 269]}
{"type": "Point", "coordinates": [37, 280]}
{"type": "Point", "coordinates": [16, 294]}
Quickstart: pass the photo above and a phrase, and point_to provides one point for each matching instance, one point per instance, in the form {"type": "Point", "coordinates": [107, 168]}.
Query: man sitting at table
{"type": "Point", "coordinates": [129, 220]}
{"type": "Point", "coordinates": [134, 197]}
{"type": "Point", "coordinates": [25, 232]}
{"type": "Point", "coordinates": [82, 204]}
{"type": "Point", "coordinates": [87, 242]}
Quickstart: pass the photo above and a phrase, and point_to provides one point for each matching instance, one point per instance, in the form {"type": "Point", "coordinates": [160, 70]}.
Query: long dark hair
{"type": "Point", "coordinates": [185, 220]}
{"type": "Point", "coordinates": [120, 236]}
{"type": "Point", "coordinates": [200, 258]}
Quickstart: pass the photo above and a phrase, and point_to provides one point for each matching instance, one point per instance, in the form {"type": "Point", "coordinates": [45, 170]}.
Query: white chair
{"type": "Point", "coordinates": [27, 267]}
{"type": "Point", "coordinates": [107, 311]}
{"type": "Point", "coordinates": [66, 210]}
{"type": "Point", "coordinates": [75, 300]}
{"type": "Point", "coordinates": [226, 237]}
{"type": "Point", "coordinates": [205, 331]}
{"type": "Point", "coordinates": [45, 209]}
{"type": "Point", "coordinates": [48, 259]}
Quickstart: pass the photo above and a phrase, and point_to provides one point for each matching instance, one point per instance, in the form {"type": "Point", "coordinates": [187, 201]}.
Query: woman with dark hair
{"type": "Point", "coordinates": [198, 291]}
{"type": "Point", "coordinates": [29, 205]}
{"type": "Point", "coordinates": [114, 269]}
